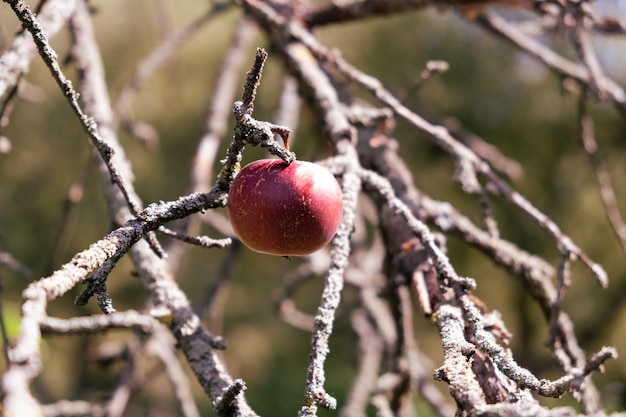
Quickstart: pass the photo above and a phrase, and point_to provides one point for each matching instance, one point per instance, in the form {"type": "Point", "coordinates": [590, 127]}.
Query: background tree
{"type": "Point", "coordinates": [479, 147]}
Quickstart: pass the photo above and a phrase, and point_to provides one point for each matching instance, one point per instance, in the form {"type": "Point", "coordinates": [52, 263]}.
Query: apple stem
{"type": "Point", "coordinates": [282, 131]}
{"type": "Point", "coordinates": [286, 142]}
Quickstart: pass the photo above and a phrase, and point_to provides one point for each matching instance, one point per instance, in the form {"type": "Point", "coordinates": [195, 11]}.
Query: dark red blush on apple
{"type": "Point", "coordinates": [285, 209]}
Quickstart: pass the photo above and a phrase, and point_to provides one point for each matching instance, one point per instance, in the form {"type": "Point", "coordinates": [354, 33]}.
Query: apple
{"type": "Point", "coordinates": [285, 209]}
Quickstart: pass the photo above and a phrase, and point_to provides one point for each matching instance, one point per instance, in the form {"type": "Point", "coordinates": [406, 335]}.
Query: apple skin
{"type": "Point", "coordinates": [285, 209]}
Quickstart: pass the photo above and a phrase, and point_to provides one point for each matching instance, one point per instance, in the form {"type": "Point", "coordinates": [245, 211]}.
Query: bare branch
{"type": "Point", "coordinates": [203, 241]}
{"type": "Point", "coordinates": [162, 346]}
{"type": "Point", "coordinates": [469, 165]}
{"type": "Point", "coordinates": [607, 191]}
{"type": "Point", "coordinates": [359, 9]}
{"type": "Point", "coordinates": [65, 408]}
{"type": "Point", "coordinates": [16, 60]}
{"type": "Point", "coordinates": [522, 377]}
{"type": "Point", "coordinates": [249, 131]}
{"type": "Point", "coordinates": [446, 274]}
{"type": "Point", "coordinates": [154, 61]}
{"type": "Point", "coordinates": [209, 304]}
{"type": "Point", "coordinates": [90, 125]}
{"type": "Point", "coordinates": [128, 320]}
{"type": "Point", "coordinates": [8, 261]}
{"type": "Point", "coordinates": [372, 350]}
{"type": "Point", "coordinates": [220, 109]}
{"type": "Point", "coordinates": [216, 123]}
{"type": "Point", "coordinates": [456, 370]}
{"type": "Point", "coordinates": [550, 58]}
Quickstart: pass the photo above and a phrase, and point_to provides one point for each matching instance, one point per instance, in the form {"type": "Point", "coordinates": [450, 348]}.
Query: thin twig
{"type": "Point", "coordinates": [97, 103]}
{"type": "Point", "coordinates": [522, 377]}
{"type": "Point", "coordinates": [563, 282]}
{"type": "Point", "coordinates": [15, 61]}
{"type": "Point", "coordinates": [156, 59]}
{"type": "Point", "coordinates": [92, 324]}
{"type": "Point", "coordinates": [68, 218]}
{"type": "Point", "coordinates": [550, 58]}
{"type": "Point", "coordinates": [65, 408]}
{"type": "Point", "coordinates": [371, 347]}
{"type": "Point", "coordinates": [287, 308]}
{"type": "Point", "coordinates": [446, 274]}
{"type": "Point", "coordinates": [161, 345]}
{"type": "Point", "coordinates": [215, 126]}
{"type": "Point", "coordinates": [249, 131]}
{"type": "Point", "coordinates": [358, 10]}
{"type": "Point", "coordinates": [6, 343]}
{"type": "Point", "coordinates": [469, 165]}
{"type": "Point", "coordinates": [287, 113]}
{"type": "Point", "coordinates": [118, 402]}
{"type": "Point", "coordinates": [89, 125]}
{"type": "Point", "coordinates": [203, 241]}
{"type": "Point", "coordinates": [431, 70]}
{"type": "Point", "coordinates": [220, 108]}
{"type": "Point", "coordinates": [10, 262]}
{"type": "Point", "coordinates": [603, 178]}
{"type": "Point", "coordinates": [449, 278]}
{"type": "Point", "coordinates": [205, 306]}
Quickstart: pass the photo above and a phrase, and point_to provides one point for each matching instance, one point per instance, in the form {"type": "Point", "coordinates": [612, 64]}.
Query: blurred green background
{"type": "Point", "coordinates": [493, 90]}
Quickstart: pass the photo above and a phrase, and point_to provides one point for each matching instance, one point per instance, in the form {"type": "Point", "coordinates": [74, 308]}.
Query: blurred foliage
{"type": "Point", "coordinates": [491, 89]}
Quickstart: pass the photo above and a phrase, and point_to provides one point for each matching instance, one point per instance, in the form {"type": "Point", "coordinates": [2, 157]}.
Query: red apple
{"type": "Point", "coordinates": [285, 209]}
